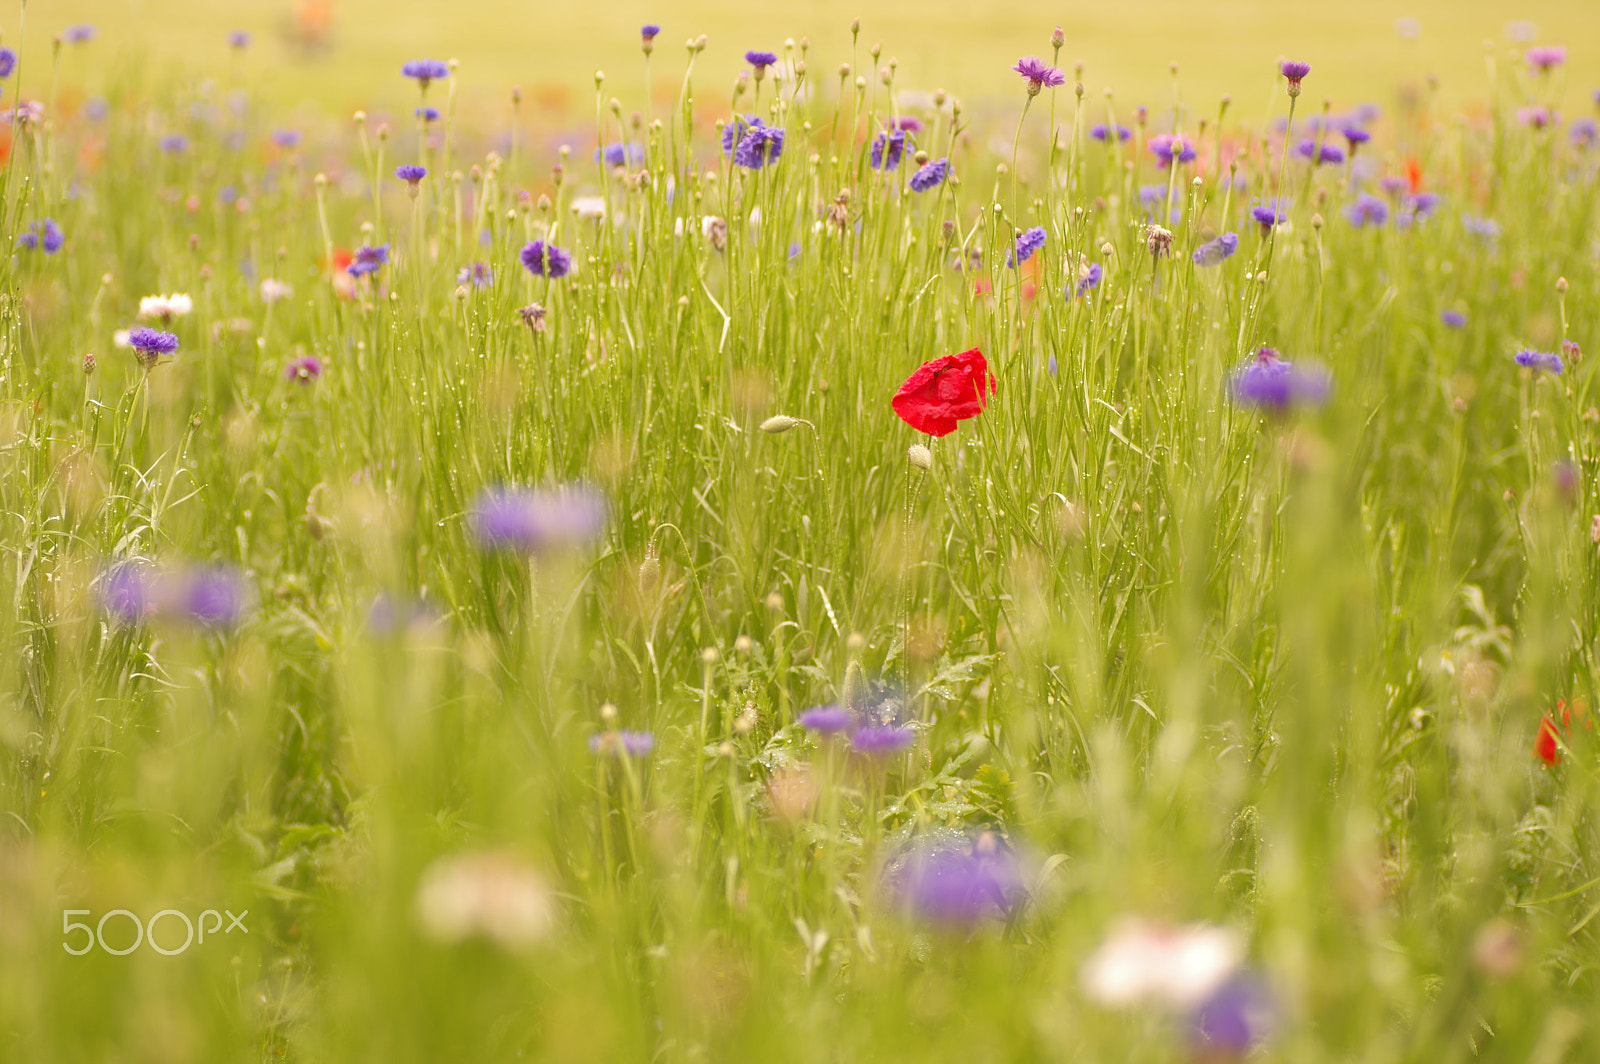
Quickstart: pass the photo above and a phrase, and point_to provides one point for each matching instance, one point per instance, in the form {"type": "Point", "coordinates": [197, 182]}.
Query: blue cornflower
{"type": "Point", "coordinates": [1584, 133]}
{"type": "Point", "coordinates": [479, 275]}
{"type": "Point", "coordinates": [1355, 136]}
{"type": "Point", "coordinates": [930, 176]}
{"type": "Point", "coordinates": [1169, 146]}
{"type": "Point", "coordinates": [411, 173]}
{"type": "Point", "coordinates": [1294, 72]}
{"type": "Point", "coordinates": [8, 62]}
{"type": "Point", "coordinates": [1367, 210]}
{"type": "Point", "coordinates": [1232, 1021]}
{"type": "Point", "coordinates": [427, 114]}
{"type": "Point", "coordinates": [150, 344]}
{"type": "Point", "coordinates": [1486, 229]}
{"type": "Point", "coordinates": [759, 147]}
{"type": "Point", "coordinates": [760, 61]}
{"type": "Point", "coordinates": [46, 235]}
{"type": "Point", "coordinates": [82, 33]}
{"type": "Point", "coordinates": [908, 123]}
{"type": "Point", "coordinates": [649, 31]}
{"type": "Point", "coordinates": [960, 883]}
{"type": "Point", "coordinates": [887, 150]}
{"type": "Point", "coordinates": [888, 739]}
{"type": "Point", "coordinates": [826, 720]}
{"type": "Point", "coordinates": [1038, 74]}
{"type": "Point", "coordinates": [1273, 384]}
{"type": "Point", "coordinates": [534, 520]}
{"type": "Point", "coordinates": [734, 131]}
{"type": "Point", "coordinates": [174, 144]}
{"type": "Point", "coordinates": [1544, 361]}
{"type": "Point", "coordinates": [1028, 243]}
{"type": "Point", "coordinates": [368, 259]}
{"type": "Point", "coordinates": [1322, 154]}
{"type": "Point", "coordinates": [286, 138]}
{"type": "Point", "coordinates": [239, 40]}
{"type": "Point", "coordinates": [1101, 131]}
{"type": "Point", "coordinates": [546, 260]}
{"type": "Point", "coordinates": [1089, 275]}
{"type": "Point", "coordinates": [620, 154]}
{"type": "Point", "coordinates": [425, 71]}
{"type": "Point", "coordinates": [1454, 318]}
{"type": "Point", "coordinates": [1214, 251]}
{"type": "Point", "coordinates": [1267, 216]}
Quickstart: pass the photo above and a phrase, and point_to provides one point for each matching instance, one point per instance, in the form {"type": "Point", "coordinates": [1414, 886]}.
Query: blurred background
{"type": "Point", "coordinates": [345, 54]}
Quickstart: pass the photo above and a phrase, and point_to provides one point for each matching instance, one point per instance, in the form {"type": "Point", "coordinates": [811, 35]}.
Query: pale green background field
{"type": "Point", "coordinates": [552, 49]}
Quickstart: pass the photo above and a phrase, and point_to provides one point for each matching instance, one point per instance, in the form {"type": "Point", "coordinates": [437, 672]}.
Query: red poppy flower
{"type": "Point", "coordinates": [1546, 745]}
{"type": "Point", "coordinates": [945, 392]}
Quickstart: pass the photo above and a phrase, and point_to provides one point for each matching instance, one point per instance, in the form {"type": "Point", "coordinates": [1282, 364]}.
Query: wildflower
{"type": "Point", "coordinates": [368, 259]}
{"type": "Point", "coordinates": [166, 308]}
{"type": "Point", "coordinates": [619, 154]}
{"type": "Point", "coordinates": [533, 520]}
{"type": "Point", "coordinates": [304, 370]}
{"type": "Point", "coordinates": [1232, 1021]}
{"type": "Point", "coordinates": [647, 36]}
{"type": "Point", "coordinates": [1584, 133]}
{"type": "Point", "coordinates": [1321, 154]}
{"type": "Point", "coordinates": [759, 61]}
{"type": "Point", "coordinates": [1026, 245]}
{"type": "Point", "coordinates": [589, 208]}
{"type": "Point", "coordinates": [920, 456]}
{"type": "Point", "coordinates": [1543, 361]}
{"type": "Point", "coordinates": [715, 230]}
{"type": "Point", "coordinates": [532, 316]}
{"type": "Point", "coordinates": [45, 235]}
{"type": "Point", "coordinates": [1422, 204]}
{"type": "Point", "coordinates": [1103, 132]}
{"type": "Point", "coordinates": [82, 33]}
{"type": "Point", "coordinates": [961, 882]}
{"type": "Point", "coordinates": [427, 114]}
{"type": "Point", "coordinates": [1546, 58]}
{"type": "Point", "coordinates": [127, 591]}
{"type": "Point", "coordinates": [1537, 117]}
{"type": "Point", "coordinates": [1089, 275]}
{"type": "Point", "coordinates": [478, 274]}
{"type": "Point", "coordinates": [1367, 209]}
{"type": "Point", "coordinates": [930, 176]}
{"type": "Point", "coordinates": [1177, 967]}
{"type": "Point", "coordinates": [492, 895]}
{"type": "Point", "coordinates": [618, 743]}
{"type": "Point", "coordinates": [1214, 251]}
{"type": "Point", "coordinates": [1553, 735]}
{"type": "Point", "coordinates": [213, 596]}
{"type": "Point", "coordinates": [425, 71]}
{"type": "Point", "coordinates": [887, 150]}
{"type": "Point", "coordinates": [826, 720]}
{"type": "Point", "coordinates": [286, 138]}
{"type": "Point", "coordinates": [1168, 147]}
{"type": "Point", "coordinates": [8, 62]}
{"type": "Point", "coordinates": [882, 740]}
{"type": "Point", "coordinates": [273, 290]}
{"type": "Point", "coordinates": [411, 173]}
{"type": "Point", "coordinates": [944, 392]}
{"type": "Point", "coordinates": [1355, 137]}
{"type": "Point", "coordinates": [1454, 319]}
{"type": "Point", "coordinates": [174, 144]}
{"type": "Point", "coordinates": [1158, 240]}
{"type": "Point", "coordinates": [1038, 74]}
{"type": "Point", "coordinates": [734, 131]}
{"type": "Point", "coordinates": [1267, 217]}
{"type": "Point", "coordinates": [238, 40]}
{"type": "Point", "coordinates": [759, 147]}
{"type": "Point", "coordinates": [1294, 72]}
{"type": "Point", "coordinates": [907, 124]}
{"type": "Point", "coordinates": [1275, 385]}
{"type": "Point", "coordinates": [28, 111]}
{"type": "Point", "coordinates": [546, 260]}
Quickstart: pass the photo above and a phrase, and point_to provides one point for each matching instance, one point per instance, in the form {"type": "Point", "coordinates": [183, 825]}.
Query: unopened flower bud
{"type": "Point", "coordinates": [920, 456]}
{"type": "Point", "coordinates": [779, 423]}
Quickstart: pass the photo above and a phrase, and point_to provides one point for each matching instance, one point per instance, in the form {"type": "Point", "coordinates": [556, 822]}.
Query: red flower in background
{"type": "Point", "coordinates": [1551, 735]}
{"type": "Point", "coordinates": [945, 392]}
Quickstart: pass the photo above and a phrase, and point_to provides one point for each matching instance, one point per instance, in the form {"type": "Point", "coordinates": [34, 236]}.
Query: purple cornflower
{"type": "Point", "coordinates": [1584, 133]}
{"type": "Point", "coordinates": [887, 150]}
{"type": "Point", "coordinates": [411, 173]}
{"type": "Point", "coordinates": [1267, 216]}
{"type": "Point", "coordinates": [1485, 229]}
{"type": "Point", "coordinates": [759, 61]}
{"type": "Point", "coordinates": [368, 259]}
{"type": "Point", "coordinates": [1101, 131]}
{"type": "Point", "coordinates": [1028, 243]}
{"type": "Point", "coordinates": [238, 40]}
{"type": "Point", "coordinates": [826, 720]}
{"type": "Point", "coordinates": [649, 31]}
{"type": "Point", "coordinates": [887, 739]}
{"type": "Point", "coordinates": [1355, 137]}
{"type": "Point", "coordinates": [960, 882]}
{"type": "Point", "coordinates": [620, 154]}
{"type": "Point", "coordinates": [427, 114]}
{"type": "Point", "coordinates": [1537, 117]}
{"type": "Point", "coordinates": [8, 62]}
{"type": "Point", "coordinates": [734, 131]}
{"type": "Point", "coordinates": [930, 176]}
{"type": "Point", "coordinates": [1545, 361]}
{"type": "Point", "coordinates": [1393, 185]}
{"type": "Point", "coordinates": [214, 596]}
{"type": "Point", "coordinates": [1038, 74]}
{"type": "Point", "coordinates": [546, 260]}
{"type": "Point", "coordinates": [127, 591]}
{"type": "Point", "coordinates": [150, 344]}
{"type": "Point", "coordinates": [1273, 384]}
{"type": "Point", "coordinates": [303, 370]}
{"type": "Point", "coordinates": [425, 71]}
{"type": "Point", "coordinates": [1422, 204]}
{"type": "Point", "coordinates": [759, 147]}
{"type": "Point", "coordinates": [908, 124]}
{"type": "Point", "coordinates": [1454, 319]}
{"type": "Point", "coordinates": [536, 519]}
{"type": "Point", "coordinates": [1546, 58]}
{"type": "Point", "coordinates": [1168, 147]}
{"type": "Point", "coordinates": [1322, 154]}
{"type": "Point", "coordinates": [174, 144]}
{"type": "Point", "coordinates": [1214, 251]}
{"type": "Point", "coordinates": [46, 234]}
{"type": "Point", "coordinates": [1089, 277]}
{"type": "Point", "coordinates": [1294, 73]}
{"type": "Point", "coordinates": [286, 138]}
{"type": "Point", "coordinates": [82, 33]}
{"type": "Point", "coordinates": [1367, 210]}
{"type": "Point", "coordinates": [1232, 1021]}
{"type": "Point", "coordinates": [478, 275]}
{"type": "Point", "coordinates": [623, 743]}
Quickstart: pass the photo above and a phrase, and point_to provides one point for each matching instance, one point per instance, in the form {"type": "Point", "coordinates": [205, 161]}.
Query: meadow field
{"type": "Point", "coordinates": [747, 560]}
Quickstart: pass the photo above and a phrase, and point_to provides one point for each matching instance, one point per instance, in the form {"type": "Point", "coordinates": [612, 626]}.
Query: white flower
{"type": "Point", "coordinates": [587, 207]}
{"type": "Point", "coordinates": [165, 307]}
{"type": "Point", "coordinates": [496, 895]}
{"type": "Point", "coordinates": [272, 290]}
{"type": "Point", "coordinates": [120, 337]}
{"type": "Point", "coordinates": [1147, 963]}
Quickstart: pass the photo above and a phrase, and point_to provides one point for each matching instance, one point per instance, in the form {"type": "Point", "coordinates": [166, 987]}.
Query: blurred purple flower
{"type": "Point", "coordinates": [538, 519]}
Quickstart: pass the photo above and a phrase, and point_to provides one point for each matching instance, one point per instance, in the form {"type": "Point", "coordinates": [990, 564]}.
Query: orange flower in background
{"type": "Point", "coordinates": [945, 392]}
{"type": "Point", "coordinates": [1413, 174]}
